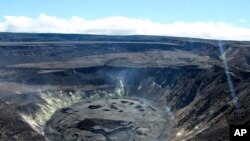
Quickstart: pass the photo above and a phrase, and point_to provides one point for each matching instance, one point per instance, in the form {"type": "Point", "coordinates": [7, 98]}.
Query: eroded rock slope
{"type": "Point", "coordinates": [41, 73]}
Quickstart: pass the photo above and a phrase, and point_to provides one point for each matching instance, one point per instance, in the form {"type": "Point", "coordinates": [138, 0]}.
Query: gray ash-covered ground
{"type": "Point", "coordinates": [41, 73]}
{"type": "Point", "coordinates": [109, 119]}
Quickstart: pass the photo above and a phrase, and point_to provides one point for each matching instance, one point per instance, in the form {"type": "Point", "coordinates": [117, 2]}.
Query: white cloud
{"type": "Point", "coordinates": [124, 26]}
{"type": "Point", "coordinates": [243, 20]}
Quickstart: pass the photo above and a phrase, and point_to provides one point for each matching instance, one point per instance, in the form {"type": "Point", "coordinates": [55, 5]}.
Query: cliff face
{"type": "Point", "coordinates": [204, 84]}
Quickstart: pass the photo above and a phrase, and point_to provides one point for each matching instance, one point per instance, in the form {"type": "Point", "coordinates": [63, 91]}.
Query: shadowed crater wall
{"type": "Point", "coordinates": [42, 73]}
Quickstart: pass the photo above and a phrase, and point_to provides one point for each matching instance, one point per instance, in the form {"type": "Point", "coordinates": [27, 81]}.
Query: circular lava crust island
{"type": "Point", "coordinates": [109, 119]}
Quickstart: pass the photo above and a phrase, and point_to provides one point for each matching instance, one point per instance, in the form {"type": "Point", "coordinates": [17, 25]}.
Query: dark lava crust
{"type": "Point", "coordinates": [113, 119]}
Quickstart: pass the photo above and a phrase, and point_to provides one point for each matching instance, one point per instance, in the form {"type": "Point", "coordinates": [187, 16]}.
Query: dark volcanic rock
{"type": "Point", "coordinates": [109, 124]}
{"type": "Point", "coordinates": [41, 73]}
{"type": "Point", "coordinates": [13, 128]}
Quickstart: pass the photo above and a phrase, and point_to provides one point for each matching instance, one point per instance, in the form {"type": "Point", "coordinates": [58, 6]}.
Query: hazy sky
{"type": "Point", "coordinates": [233, 15]}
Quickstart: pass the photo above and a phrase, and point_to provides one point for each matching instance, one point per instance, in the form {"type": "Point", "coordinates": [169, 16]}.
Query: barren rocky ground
{"type": "Point", "coordinates": [203, 85]}
{"type": "Point", "coordinates": [109, 119]}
